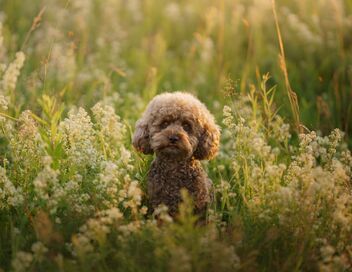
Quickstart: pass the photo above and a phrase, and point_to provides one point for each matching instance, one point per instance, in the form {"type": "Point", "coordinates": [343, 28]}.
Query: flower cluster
{"type": "Point", "coordinates": [23, 260]}
{"type": "Point", "coordinates": [79, 139]}
{"type": "Point", "coordinates": [10, 196]}
{"type": "Point", "coordinates": [26, 145]}
{"type": "Point", "coordinates": [8, 75]}
{"type": "Point", "coordinates": [12, 72]}
{"type": "Point", "coordinates": [110, 130]}
{"type": "Point", "coordinates": [94, 232]}
{"type": "Point", "coordinates": [308, 188]}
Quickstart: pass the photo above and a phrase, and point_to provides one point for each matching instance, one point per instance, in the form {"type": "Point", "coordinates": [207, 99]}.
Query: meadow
{"type": "Point", "coordinates": [75, 75]}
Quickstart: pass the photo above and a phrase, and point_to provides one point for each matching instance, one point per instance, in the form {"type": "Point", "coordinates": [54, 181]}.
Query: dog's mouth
{"type": "Point", "coordinates": [171, 147]}
{"type": "Point", "coordinates": [164, 146]}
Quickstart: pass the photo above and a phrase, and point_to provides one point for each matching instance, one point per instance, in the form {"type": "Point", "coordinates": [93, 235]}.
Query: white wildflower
{"type": "Point", "coordinates": [45, 180]}
{"type": "Point", "coordinates": [26, 143]}
{"type": "Point", "coordinates": [10, 196]}
{"type": "Point", "coordinates": [111, 130]}
{"type": "Point", "coordinates": [161, 212]}
{"type": "Point", "coordinates": [327, 252]}
{"type": "Point", "coordinates": [82, 245]}
{"type": "Point", "coordinates": [125, 155]}
{"type": "Point", "coordinates": [4, 102]}
{"type": "Point", "coordinates": [113, 214]}
{"type": "Point", "coordinates": [39, 250]}
{"type": "Point", "coordinates": [143, 210]}
{"type": "Point", "coordinates": [79, 138]}
{"type": "Point", "coordinates": [228, 118]}
{"type": "Point", "coordinates": [12, 72]}
{"type": "Point", "coordinates": [95, 230]}
{"type": "Point", "coordinates": [132, 196]}
{"type": "Point", "coordinates": [108, 183]}
{"type": "Point", "coordinates": [280, 130]}
{"type": "Point", "coordinates": [22, 261]}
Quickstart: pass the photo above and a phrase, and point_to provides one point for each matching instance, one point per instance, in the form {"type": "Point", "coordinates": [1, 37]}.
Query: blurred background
{"type": "Point", "coordinates": [82, 51]}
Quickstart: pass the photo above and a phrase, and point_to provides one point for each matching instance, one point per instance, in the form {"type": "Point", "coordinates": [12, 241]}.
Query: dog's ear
{"type": "Point", "coordinates": [141, 139]}
{"type": "Point", "coordinates": [208, 144]}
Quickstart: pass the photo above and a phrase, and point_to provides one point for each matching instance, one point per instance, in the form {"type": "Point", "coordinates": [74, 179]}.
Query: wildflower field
{"type": "Point", "coordinates": [75, 75]}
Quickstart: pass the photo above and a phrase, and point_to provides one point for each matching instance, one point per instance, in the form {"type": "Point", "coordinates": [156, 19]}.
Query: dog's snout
{"type": "Point", "coordinates": [174, 138]}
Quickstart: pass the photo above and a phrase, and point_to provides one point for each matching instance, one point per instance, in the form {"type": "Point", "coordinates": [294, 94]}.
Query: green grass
{"type": "Point", "coordinates": [73, 189]}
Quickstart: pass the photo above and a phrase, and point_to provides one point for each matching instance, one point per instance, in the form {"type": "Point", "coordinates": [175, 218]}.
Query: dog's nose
{"type": "Point", "coordinates": [173, 138]}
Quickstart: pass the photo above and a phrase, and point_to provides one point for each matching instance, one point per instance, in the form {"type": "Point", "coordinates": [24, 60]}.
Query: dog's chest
{"type": "Point", "coordinates": [170, 179]}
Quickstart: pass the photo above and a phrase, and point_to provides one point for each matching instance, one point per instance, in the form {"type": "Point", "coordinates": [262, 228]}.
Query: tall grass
{"type": "Point", "coordinates": [75, 76]}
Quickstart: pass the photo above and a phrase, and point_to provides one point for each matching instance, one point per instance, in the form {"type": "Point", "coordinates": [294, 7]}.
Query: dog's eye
{"type": "Point", "coordinates": [164, 124]}
{"type": "Point", "coordinates": [187, 126]}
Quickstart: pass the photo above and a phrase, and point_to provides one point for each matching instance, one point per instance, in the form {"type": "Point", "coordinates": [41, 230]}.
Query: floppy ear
{"type": "Point", "coordinates": [208, 144]}
{"type": "Point", "coordinates": [141, 137]}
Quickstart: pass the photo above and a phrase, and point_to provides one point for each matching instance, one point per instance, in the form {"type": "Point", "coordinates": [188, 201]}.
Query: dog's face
{"type": "Point", "coordinates": [174, 136]}
{"type": "Point", "coordinates": [177, 126]}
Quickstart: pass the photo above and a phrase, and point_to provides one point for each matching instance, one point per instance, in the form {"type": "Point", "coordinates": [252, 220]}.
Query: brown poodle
{"type": "Point", "coordinates": [180, 130]}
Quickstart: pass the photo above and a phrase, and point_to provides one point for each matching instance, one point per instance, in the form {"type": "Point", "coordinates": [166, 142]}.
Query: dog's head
{"type": "Point", "coordinates": [177, 125]}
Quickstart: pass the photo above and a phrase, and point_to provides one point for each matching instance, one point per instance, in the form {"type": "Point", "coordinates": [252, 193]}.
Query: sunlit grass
{"type": "Point", "coordinates": [76, 75]}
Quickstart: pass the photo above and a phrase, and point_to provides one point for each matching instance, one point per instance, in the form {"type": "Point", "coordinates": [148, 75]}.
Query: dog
{"type": "Point", "coordinates": [180, 131]}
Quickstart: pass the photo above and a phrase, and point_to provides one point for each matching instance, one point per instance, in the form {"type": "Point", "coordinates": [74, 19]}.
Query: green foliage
{"type": "Point", "coordinates": [76, 75]}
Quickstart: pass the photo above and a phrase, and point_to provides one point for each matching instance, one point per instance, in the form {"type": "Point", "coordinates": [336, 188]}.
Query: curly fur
{"type": "Point", "coordinates": [180, 130]}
